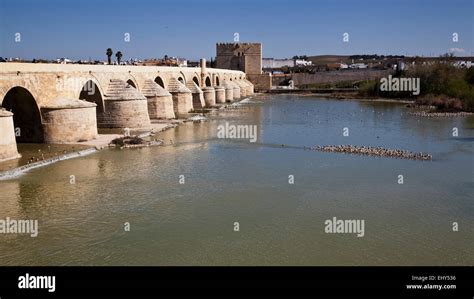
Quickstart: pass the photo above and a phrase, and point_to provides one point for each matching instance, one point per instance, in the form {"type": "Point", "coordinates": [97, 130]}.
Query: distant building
{"type": "Point", "coordinates": [336, 66]}
{"type": "Point", "coordinates": [271, 63]}
{"type": "Point", "coordinates": [401, 65]}
{"type": "Point", "coordinates": [302, 62]}
{"type": "Point", "coordinates": [463, 64]}
{"type": "Point", "coordinates": [166, 61]}
{"type": "Point", "coordinates": [63, 60]}
{"type": "Point", "coordinates": [343, 66]}
{"type": "Point", "coordinates": [358, 66]}
{"type": "Point", "coordinates": [182, 62]}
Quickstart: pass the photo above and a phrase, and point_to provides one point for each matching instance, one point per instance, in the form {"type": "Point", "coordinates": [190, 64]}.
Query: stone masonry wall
{"type": "Point", "coordinates": [182, 103]}
{"type": "Point", "coordinates": [220, 94]}
{"type": "Point", "coordinates": [69, 125]}
{"type": "Point", "coordinates": [245, 57]}
{"type": "Point", "coordinates": [160, 107]}
{"type": "Point", "coordinates": [8, 149]}
{"type": "Point", "coordinates": [125, 114]}
{"type": "Point", "coordinates": [330, 77]}
{"type": "Point", "coordinates": [261, 82]}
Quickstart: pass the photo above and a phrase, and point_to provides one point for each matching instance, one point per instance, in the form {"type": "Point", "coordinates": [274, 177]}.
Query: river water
{"type": "Point", "coordinates": [233, 180]}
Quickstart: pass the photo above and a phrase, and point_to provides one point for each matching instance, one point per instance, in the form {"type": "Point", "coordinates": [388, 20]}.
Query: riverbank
{"type": "Point", "coordinates": [420, 110]}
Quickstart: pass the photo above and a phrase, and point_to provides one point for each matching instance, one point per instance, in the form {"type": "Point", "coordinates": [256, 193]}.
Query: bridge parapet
{"type": "Point", "coordinates": [160, 101]}
{"type": "Point", "coordinates": [182, 97]}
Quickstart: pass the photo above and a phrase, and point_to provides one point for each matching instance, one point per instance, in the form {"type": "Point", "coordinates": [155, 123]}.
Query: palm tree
{"type": "Point", "coordinates": [119, 56]}
{"type": "Point", "coordinates": [109, 54]}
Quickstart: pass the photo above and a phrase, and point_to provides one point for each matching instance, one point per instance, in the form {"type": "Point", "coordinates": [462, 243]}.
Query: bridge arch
{"type": "Point", "coordinates": [207, 81]}
{"type": "Point", "coordinates": [26, 115]}
{"type": "Point", "coordinates": [196, 80]}
{"type": "Point", "coordinates": [92, 92]}
{"type": "Point", "coordinates": [132, 83]}
{"type": "Point", "coordinates": [181, 77]}
{"type": "Point", "coordinates": [158, 80]}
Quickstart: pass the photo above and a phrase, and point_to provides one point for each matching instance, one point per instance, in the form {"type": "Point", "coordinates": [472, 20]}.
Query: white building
{"type": "Point", "coordinates": [182, 62]}
{"type": "Point", "coordinates": [343, 66]}
{"type": "Point", "coordinates": [463, 64]}
{"type": "Point", "coordinates": [302, 62]}
{"type": "Point", "coordinates": [63, 60]}
{"type": "Point", "coordinates": [272, 63]}
{"type": "Point", "coordinates": [358, 66]}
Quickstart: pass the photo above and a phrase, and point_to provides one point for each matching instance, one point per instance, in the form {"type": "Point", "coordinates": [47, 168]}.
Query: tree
{"type": "Point", "coordinates": [119, 56]}
{"type": "Point", "coordinates": [109, 54]}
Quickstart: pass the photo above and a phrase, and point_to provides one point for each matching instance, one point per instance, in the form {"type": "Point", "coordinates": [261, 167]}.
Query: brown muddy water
{"type": "Point", "coordinates": [234, 180]}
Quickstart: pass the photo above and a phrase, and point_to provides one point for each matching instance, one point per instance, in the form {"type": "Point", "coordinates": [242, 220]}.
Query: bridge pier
{"type": "Point", "coordinates": [124, 107]}
{"type": "Point", "coordinates": [247, 87]}
{"type": "Point", "coordinates": [243, 88]}
{"type": "Point", "coordinates": [251, 89]}
{"type": "Point", "coordinates": [182, 98]}
{"type": "Point", "coordinates": [8, 149]}
{"type": "Point", "coordinates": [229, 91]}
{"type": "Point", "coordinates": [209, 96]}
{"type": "Point", "coordinates": [69, 120]}
{"type": "Point", "coordinates": [198, 97]}
{"type": "Point", "coordinates": [160, 101]}
{"type": "Point", "coordinates": [236, 90]}
{"type": "Point", "coordinates": [220, 94]}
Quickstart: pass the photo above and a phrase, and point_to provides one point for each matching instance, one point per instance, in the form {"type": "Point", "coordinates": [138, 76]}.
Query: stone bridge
{"type": "Point", "coordinates": [59, 103]}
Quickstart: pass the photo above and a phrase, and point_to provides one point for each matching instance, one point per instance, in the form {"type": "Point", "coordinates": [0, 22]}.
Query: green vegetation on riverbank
{"type": "Point", "coordinates": [441, 85]}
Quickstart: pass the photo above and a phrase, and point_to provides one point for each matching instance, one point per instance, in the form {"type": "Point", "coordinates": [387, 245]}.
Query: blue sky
{"type": "Point", "coordinates": [80, 29]}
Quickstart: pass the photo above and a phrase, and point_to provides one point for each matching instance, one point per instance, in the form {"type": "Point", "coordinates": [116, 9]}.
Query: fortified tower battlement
{"type": "Point", "coordinates": [245, 57]}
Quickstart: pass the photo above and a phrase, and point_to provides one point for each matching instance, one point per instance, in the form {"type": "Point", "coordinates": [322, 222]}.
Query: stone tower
{"type": "Point", "coordinates": [245, 57]}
